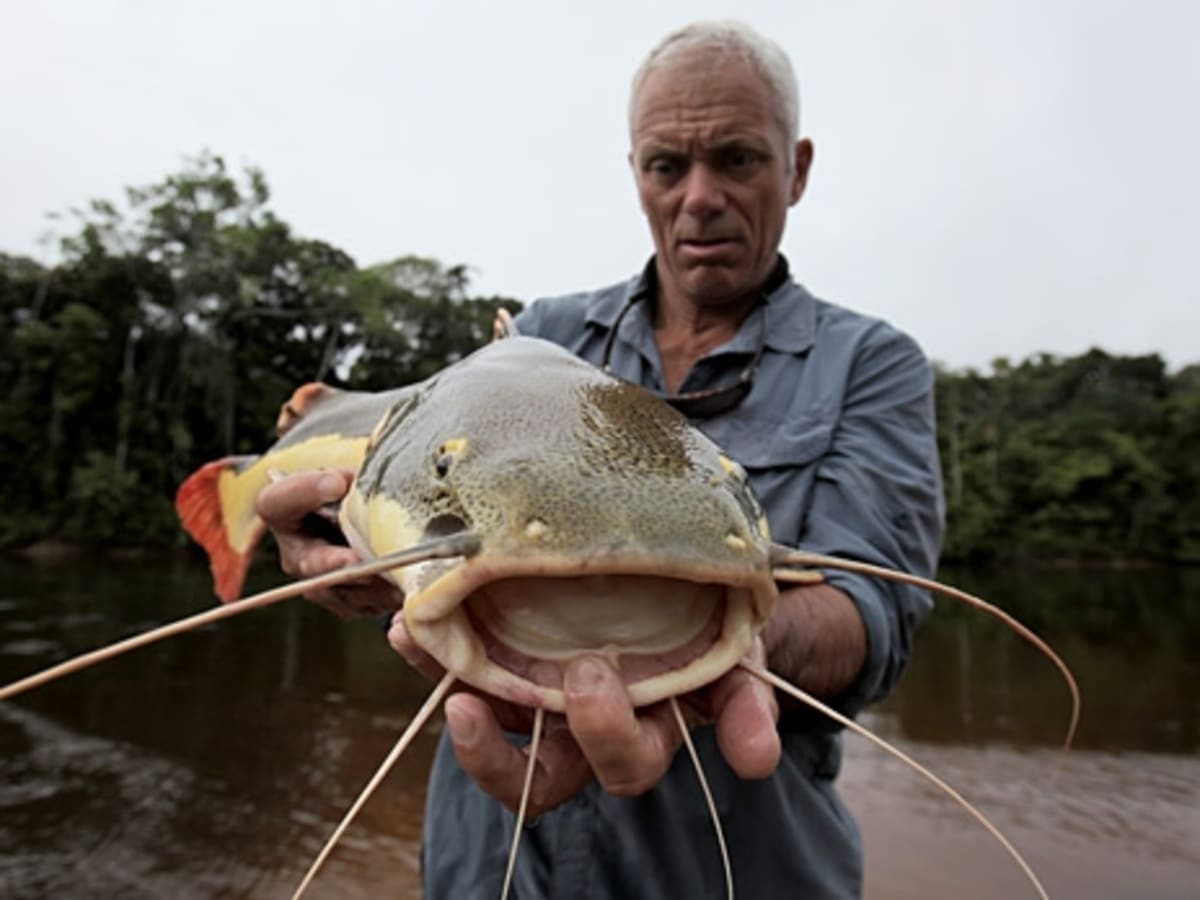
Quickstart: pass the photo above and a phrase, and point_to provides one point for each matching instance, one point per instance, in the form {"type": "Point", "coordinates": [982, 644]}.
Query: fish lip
{"type": "Point", "coordinates": [437, 618]}
{"type": "Point", "coordinates": [545, 666]}
{"type": "Point", "coordinates": [475, 571]}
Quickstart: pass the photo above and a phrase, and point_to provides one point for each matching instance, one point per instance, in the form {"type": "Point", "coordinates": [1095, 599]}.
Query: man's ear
{"type": "Point", "coordinates": [636, 184]}
{"type": "Point", "coordinates": [801, 164]}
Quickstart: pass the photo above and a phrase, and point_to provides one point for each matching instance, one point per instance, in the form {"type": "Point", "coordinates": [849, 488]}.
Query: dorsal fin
{"type": "Point", "coordinates": [503, 325]}
{"type": "Point", "coordinates": [300, 404]}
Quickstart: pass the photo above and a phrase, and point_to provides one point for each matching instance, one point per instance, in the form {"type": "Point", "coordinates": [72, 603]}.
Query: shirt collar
{"type": "Point", "coordinates": [789, 308]}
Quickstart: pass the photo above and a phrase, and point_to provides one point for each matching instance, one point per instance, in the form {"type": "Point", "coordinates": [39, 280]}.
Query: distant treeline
{"type": "Point", "coordinates": [1095, 458]}
{"type": "Point", "coordinates": [174, 326]}
{"type": "Point", "coordinates": [169, 335]}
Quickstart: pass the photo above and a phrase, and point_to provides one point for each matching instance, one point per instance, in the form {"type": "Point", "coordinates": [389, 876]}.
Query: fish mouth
{"type": "Point", "coordinates": [512, 633]}
{"type": "Point", "coordinates": [643, 625]}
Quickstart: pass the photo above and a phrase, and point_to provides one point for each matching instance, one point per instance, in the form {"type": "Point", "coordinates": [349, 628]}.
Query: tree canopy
{"type": "Point", "coordinates": [1090, 457]}
{"type": "Point", "coordinates": [169, 335]}
{"type": "Point", "coordinates": [176, 323]}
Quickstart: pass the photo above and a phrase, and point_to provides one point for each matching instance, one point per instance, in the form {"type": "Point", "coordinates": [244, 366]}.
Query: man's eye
{"type": "Point", "coordinates": [738, 159]}
{"type": "Point", "coordinates": [664, 167]}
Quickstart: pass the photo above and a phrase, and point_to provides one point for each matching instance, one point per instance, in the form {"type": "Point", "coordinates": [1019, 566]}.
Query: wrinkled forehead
{"type": "Point", "coordinates": [707, 98]}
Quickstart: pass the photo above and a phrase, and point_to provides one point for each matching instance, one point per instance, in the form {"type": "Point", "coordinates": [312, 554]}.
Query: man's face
{"type": "Point", "coordinates": [715, 174]}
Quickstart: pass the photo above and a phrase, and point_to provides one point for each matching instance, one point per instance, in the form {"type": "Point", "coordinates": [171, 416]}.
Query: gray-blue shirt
{"type": "Point", "coordinates": [837, 436]}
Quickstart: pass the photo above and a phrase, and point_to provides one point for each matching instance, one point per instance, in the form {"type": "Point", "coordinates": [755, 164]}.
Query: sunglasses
{"type": "Point", "coordinates": [697, 404]}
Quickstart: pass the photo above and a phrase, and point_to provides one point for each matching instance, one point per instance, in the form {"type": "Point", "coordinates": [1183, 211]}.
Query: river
{"type": "Point", "coordinates": [216, 764]}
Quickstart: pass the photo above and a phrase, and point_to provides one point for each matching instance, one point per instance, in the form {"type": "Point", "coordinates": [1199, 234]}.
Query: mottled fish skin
{"type": "Point", "coordinates": [340, 412]}
{"type": "Point", "coordinates": [544, 454]}
{"type": "Point", "coordinates": [604, 521]}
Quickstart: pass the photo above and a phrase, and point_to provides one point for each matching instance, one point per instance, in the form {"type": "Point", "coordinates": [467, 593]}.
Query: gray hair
{"type": "Point", "coordinates": [723, 40]}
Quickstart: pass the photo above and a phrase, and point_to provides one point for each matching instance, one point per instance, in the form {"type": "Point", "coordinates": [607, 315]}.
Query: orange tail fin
{"type": "Point", "coordinates": [229, 537]}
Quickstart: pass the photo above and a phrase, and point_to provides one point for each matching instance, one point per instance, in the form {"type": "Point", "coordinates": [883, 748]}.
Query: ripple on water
{"type": "Point", "coordinates": [1093, 824]}
{"type": "Point", "coordinates": [84, 816]}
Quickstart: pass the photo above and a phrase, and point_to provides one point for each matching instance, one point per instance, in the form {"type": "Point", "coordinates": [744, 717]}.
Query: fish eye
{"type": "Point", "coordinates": [446, 454]}
{"type": "Point", "coordinates": [442, 465]}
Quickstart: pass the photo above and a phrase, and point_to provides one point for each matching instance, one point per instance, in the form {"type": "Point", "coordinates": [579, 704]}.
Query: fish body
{"type": "Point", "coordinates": [606, 523]}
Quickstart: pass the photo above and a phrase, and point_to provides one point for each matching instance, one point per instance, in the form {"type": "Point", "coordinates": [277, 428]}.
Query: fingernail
{"type": "Point", "coordinates": [461, 725]}
{"type": "Point", "coordinates": [330, 487]}
{"type": "Point", "coordinates": [585, 676]}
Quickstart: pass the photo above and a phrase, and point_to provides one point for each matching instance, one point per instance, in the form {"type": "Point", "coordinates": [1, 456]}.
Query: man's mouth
{"type": "Point", "coordinates": [706, 248]}
{"type": "Point", "coordinates": [705, 241]}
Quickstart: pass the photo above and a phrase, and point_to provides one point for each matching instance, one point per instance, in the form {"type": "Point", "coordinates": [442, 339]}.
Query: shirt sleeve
{"type": "Point", "coordinates": [555, 319]}
{"type": "Point", "coordinates": [877, 497]}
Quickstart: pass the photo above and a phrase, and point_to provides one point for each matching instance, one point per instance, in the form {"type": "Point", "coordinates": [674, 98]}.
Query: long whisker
{"type": "Point", "coordinates": [539, 718]}
{"type": "Point", "coordinates": [787, 556]}
{"type": "Point", "coordinates": [455, 545]}
{"type": "Point", "coordinates": [787, 687]}
{"type": "Point", "coordinates": [708, 797]}
{"type": "Point", "coordinates": [427, 709]}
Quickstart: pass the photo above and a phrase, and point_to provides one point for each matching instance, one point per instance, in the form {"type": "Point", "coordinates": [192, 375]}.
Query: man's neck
{"type": "Point", "coordinates": [685, 331]}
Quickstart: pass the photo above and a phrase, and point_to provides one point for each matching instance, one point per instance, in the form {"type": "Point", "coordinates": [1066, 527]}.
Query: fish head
{"type": "Point", "coordinates": [607, 524]}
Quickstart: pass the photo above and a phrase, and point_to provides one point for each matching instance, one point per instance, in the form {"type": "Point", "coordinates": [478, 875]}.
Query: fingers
{"type": "Point", "coordinates": [283, 506]}
{"type": "Point", "coordinates": [486, 754]}
{"type": "Point", "coordinates": [629, 752]}
{"type": "Point", "coordinates": [358, 597]}
{"type": "Point", "coordinates": [745, 712]}
{"type": "Point", "coordinates": [350, 600]}
{"type": "Point", "coordinates": [602, 736]}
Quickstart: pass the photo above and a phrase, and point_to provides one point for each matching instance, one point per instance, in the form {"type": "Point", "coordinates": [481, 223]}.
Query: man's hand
{"type": "Point", "coordinates": [816, 638]}
{"type": "Point", "coordinates": [284, 506]}
{"type": "Point", "coordinates": [628, 751]}
{"type": "Point", "coordinates": [601, 735]}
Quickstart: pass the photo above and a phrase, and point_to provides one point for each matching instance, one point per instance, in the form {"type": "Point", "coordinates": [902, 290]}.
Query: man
{"type": "Point", "coordinates": [831, 415]}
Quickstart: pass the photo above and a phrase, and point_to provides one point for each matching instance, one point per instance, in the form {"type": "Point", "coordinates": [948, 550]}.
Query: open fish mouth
{"type": "Point", "coordinates": [530, 625]}
{"type": "Point", "coordinates": [511, 631]}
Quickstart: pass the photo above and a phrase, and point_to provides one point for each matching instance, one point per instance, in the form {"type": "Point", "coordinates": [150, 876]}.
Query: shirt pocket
{"type": "Point", "coordinates": [785, 445]}
{"type": "Point", "coordinates": [781, 463]}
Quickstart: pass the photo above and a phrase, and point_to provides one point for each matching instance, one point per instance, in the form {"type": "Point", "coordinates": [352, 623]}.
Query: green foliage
{"type": "Point", "coordinates": [177, 323]}
{"type": "Point", "coordinates": [417, 320]}
{"type": "Point", "coordinates": [1069, 458]}
{"type": "Point", "coordinates": [108, 504]}
{"type": "Point", "coordinates": [170, 334]}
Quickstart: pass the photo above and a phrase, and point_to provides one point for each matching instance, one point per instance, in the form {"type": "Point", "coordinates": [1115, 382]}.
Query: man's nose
{"type": "Point", "coordinates": [704, 194]}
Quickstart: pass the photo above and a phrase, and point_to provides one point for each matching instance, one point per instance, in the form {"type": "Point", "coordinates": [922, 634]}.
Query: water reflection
{"type": "Point", "coordinates": [1129, 637]}
{"type": "Point", "coordinates": [214, 764]}
{"type": "Point", "coordinates": [217, 763]}
{"type": "Point", "coordinates": [1118, 818]}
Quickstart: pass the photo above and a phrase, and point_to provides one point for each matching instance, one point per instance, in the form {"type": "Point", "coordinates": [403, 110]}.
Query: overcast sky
{"type": "Point", "coordinates": [996, 178]}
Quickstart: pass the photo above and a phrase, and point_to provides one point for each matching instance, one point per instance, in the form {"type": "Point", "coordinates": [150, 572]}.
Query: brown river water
{"type": "Point", "coordinates": [216, 764]}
